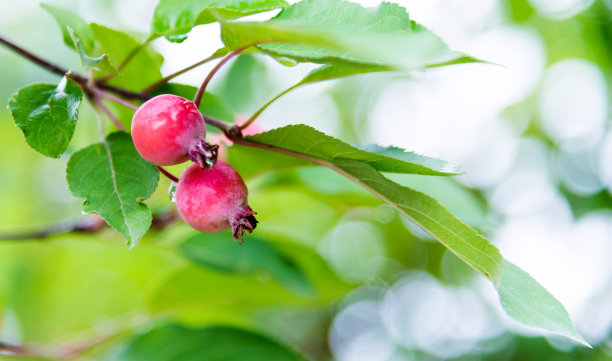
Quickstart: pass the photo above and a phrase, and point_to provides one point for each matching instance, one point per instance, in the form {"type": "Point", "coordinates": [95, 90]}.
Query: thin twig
{"type": "Point", "coordinates": [198, 98]}
{"type": "Point", "coordinates": [127, 59]}
{"type": "Point", "coordinates": [260, 110]}
{"type": "Point", "coordinates": [109, 114]}
{"type": "Point", "coordinates": [40, 61]}
{"type": "Point", "coordinates": [113, 98]}
{"type": "Point", "coordinates": [167, 78]}
{"type": "Point", "coordinates": [168, 174]}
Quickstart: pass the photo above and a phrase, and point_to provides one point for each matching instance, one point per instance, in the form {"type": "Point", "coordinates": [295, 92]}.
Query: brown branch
{"type": "Point", "coordinates": [78, 78]}
{"type": "Point", "coordinates": [91, 225]}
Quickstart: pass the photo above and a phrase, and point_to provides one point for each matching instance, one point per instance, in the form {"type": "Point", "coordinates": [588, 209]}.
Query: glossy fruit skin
{"type": "Point", "coordinates": [166, 128]}
{"type": "Point", "coordinates": [213, 200]}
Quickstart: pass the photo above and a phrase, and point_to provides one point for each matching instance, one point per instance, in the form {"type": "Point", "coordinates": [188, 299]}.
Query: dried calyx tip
{"type": "Point", "coordinates": [244, 221]}
{"type": "Point", "coordinates": [204, 154]}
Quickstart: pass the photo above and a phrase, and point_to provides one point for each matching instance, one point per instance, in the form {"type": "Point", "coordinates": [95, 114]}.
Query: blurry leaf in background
{"type": "Point", "coordinates": [174, 19]}
{"type": "Point", "coordinates": [47, 115]}
{"type": "Point", "coordinates": [525, 300]}
{"type": "Point", "coordinates": [245, 85]}
{"type": "Point", "coordinates": [176, 342]}
{"type": "Point", "coordinates": [104, 174]}
{"type": "Point", "coordinates": [216, 251]}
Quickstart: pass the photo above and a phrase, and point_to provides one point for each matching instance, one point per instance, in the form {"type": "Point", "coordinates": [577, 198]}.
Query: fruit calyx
{"type": "Point", "coordinates": [204, 154]}
{"type": "Point", "coordinates": [243, 221]}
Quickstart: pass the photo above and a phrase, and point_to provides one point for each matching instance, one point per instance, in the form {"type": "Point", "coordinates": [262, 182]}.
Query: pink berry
{"type": "Point", "coordinates": [169, 130]}
{"type": "Point", "coordinates": [213, 200]}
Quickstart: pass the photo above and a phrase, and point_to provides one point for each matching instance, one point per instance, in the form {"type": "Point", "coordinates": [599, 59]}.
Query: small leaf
{"type": "Point", "coordinates": [47, 115]}
{"type": "Point", "coordinates": [255, 256]}
{"type": "Point", "coordinates": [306, 140]}
{"type": "Point", "coordinates": [176, 342]}
{"type": "Point", "coordinates": [342, 32]}
{"type": "Point", "coordinates": [114, 179]}
{"type": "Point", "coordinates": [101, 63]}
{"type": "Point", "coordinates": [525, 300]}
{"type": "Point", "coordinates": [363, 168]}
{"type": "Point", "coordinates": [69, 20]}
{"type": "Point", "coordinates": [174, 19]}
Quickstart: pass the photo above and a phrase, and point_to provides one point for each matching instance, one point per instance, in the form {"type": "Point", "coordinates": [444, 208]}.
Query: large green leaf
{"type": "Point", "coordinates": [525, 300]}
{"type": "Point", "coordinates": [255, 256]}
{"type": "Point", "coordinates": [114, 179]}
{"type": "Point", "coordinates": [47, 115]}
{"type": "Point", "coordinates": [363, 168]}
{"type": "Point", "coordinates": [144, 67]}
{"type": "Point", "coordinates": [306, 140]}
{"type": "Point", "coordinates": [338, 31]}
{"type": "Point", "coordinates": [174, 19]}
{"type": "Point", "coordinates": [71, 22]}
{"type": "Point", "coordinates": [522, 297]}
{"type": "Point", "coordinates": [176, 342]}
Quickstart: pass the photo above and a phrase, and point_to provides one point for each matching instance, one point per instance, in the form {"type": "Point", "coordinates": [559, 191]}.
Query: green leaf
{"type": "Point", "coordinates": [176, 342]}
{"type": "Point", "coordinates": [255, 256]}
{"type": "Point", "coordinates": [174, 19]}
{"type": "Point", "coordinates": [525, 300]}
{"type": "Point", "coordinates": [363, 168]}
{"type": "Point", "coordinates": [338, 31]}
{"type": "Point", "coordinates": [430, 215]}
{"type": "Point", "coordinates": [69, 20]}
{"type": "Point", "coordinates": [114, 179]}
{"type": "Point", "coordinates": [47, 115]}
{"type": "Point", "coordinates": [306, 140]}
{"type": "Point", "coordinates": [142, 70]}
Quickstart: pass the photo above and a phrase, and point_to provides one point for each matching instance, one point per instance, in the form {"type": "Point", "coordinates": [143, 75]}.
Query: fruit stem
{"type": "Point", "coordinates": [204, 154]}
{"type": "Point", "coordinates": [168, 174]}
{"type": "Point", "coordinates": [198, 98]}
{"type": "Point", "coordinates": [243, 221]}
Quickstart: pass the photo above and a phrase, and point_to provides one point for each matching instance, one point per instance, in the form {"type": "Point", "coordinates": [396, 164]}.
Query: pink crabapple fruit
{"type": "Point", "coordinates": [213, 200]}
{"type": "Point", "coordinates": [169, 129]}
